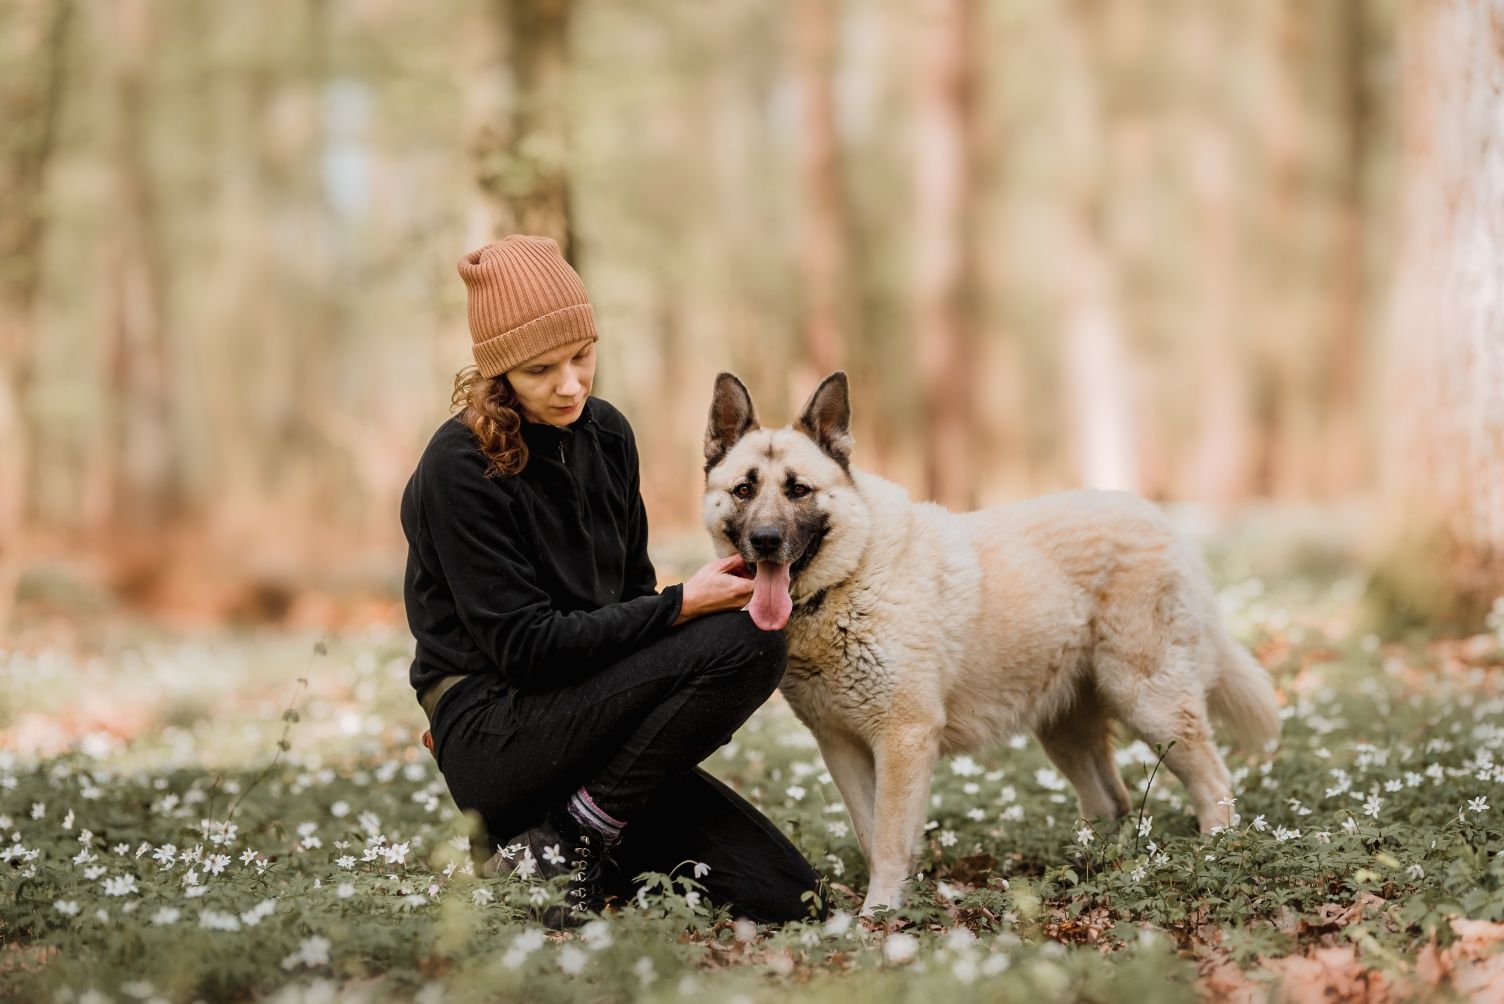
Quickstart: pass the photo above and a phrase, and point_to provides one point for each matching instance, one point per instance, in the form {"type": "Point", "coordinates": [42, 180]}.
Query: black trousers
{"type": "Point", "coordinates": [632, 736]}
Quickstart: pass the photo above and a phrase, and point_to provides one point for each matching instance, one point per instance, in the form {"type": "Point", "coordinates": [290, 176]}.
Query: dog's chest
{"type": "Point", "coordinates": [837, 668]}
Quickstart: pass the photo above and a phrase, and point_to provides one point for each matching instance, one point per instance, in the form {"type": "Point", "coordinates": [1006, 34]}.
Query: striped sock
{"type": "Point", "coordinates": [585, 812]}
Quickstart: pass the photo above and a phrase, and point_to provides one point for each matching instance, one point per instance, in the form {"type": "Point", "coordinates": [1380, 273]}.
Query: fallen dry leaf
{"type": "Point", "coordinates": [1325, 975]}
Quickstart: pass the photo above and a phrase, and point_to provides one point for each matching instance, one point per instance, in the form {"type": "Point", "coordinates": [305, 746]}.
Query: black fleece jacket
{"type": "Point", "coordinates": [542, 577]}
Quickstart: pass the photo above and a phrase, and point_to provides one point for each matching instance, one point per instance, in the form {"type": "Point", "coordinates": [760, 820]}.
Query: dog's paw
{"type": "Point", "coordinates": [875, 904]}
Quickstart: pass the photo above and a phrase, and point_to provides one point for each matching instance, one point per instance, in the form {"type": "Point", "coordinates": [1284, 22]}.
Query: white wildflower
{"type": "Point", "coordinates": [312, 951]}
{"type": "Point", "coordinates": [214, 920]}
{"type": "Point", "coordinates": [596, 934]}
{"type": "Point", "coordinates": [572, 961]}
{"type": "Point", "coordinates": [120, 885]}
{"type": "Point", "coordinates": [965, 766]}
{"type": "Point", "coordinates": [900, 947]}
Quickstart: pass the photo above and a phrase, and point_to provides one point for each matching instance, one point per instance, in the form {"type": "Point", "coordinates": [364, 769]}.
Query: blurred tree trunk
{"type": "Point", "coordinates": [942, 335]}
{"type": "Point", "coordinates": [1344, 465]}
{"type": "Point", "coordinates": [1098, 378]}
{"type": "Point", "coordinates": [1219, 447]}
{"type": "Point", "coordinates": [143, 484]}
{"type": "Point", "coordinates": [1444, 487]}
{"type": "Point", "coordinates": [36, 34]}
{"type": "Point", "coordinates": [522, 161]}
{"type": "Point", "coordinates": [1096, 369]}
{"type": "Point", "coordinates": [1307, 348]}
{"type": "Point", "coordinates": [823, 244]}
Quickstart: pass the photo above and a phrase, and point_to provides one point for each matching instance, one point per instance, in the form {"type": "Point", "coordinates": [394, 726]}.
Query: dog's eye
{"type": "Point", "coordinates": [799, 491]}
{"type": "Point", "coordinates": [742, 491]}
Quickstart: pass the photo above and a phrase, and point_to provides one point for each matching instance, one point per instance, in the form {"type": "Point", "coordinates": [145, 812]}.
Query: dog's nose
{"type": "Point", "coordinates": [766, 539]}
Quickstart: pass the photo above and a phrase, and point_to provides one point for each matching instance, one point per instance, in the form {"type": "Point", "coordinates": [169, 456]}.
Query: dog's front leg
{"type": "Point", "coordinates": [850, 762]}
{"type": "Point", "coordinates": [905, 760]}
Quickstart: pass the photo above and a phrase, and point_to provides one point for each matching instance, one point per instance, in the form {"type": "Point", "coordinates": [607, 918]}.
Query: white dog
{"type": "Point", "coordinates": [915, 632]}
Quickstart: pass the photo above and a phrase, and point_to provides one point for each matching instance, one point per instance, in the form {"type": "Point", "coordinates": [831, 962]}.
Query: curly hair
{"type": "Point", "coordinates": [494, 417]}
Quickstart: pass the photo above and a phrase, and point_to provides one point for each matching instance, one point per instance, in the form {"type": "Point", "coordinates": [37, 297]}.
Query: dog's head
{"type": "Point", "coordinates": [783, 498]}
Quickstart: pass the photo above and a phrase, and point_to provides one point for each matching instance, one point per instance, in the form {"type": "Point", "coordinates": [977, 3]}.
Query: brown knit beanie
{"type": "Point", "coordinates": [523, 299]}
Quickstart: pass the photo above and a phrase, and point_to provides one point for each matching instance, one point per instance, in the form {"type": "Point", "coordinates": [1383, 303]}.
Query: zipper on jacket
{"type": "Point", "coordinates": [579, 510]}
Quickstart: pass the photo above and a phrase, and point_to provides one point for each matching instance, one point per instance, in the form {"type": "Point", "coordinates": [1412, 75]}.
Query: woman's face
{"type": "Point", "coordinates": [552, 386]}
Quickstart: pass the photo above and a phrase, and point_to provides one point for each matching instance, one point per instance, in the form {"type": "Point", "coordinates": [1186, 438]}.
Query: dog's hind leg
{"type": "Point", "coordinates": [1167, 709]}
{"type": "Point", "coordinates": [905, 757]}
{"type": "Point", "coordinates": [1079, 743]}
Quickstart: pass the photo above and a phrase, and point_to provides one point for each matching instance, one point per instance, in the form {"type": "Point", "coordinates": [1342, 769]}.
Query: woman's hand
{"type": "Point", "coordinates": [721, 585]}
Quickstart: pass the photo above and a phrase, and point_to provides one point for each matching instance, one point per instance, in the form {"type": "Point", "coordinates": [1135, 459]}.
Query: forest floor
{"type": "Point", "coordinates": [187, 818]}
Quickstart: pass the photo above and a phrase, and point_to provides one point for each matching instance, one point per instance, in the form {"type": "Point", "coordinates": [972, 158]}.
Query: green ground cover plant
{"type": "Point", "coordinates": [267, 827]}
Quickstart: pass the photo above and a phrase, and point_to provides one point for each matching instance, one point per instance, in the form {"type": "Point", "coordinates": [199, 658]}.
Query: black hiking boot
{"type": "Point", "coordinates": [558, 846]}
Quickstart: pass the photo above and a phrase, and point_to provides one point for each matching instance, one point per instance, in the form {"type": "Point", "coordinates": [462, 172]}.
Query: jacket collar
{"type": "Point", "coordinates": [540, 436]}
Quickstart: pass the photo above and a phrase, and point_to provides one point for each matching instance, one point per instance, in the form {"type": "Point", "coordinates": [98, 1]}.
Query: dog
{"type": "Point", "coordinates": [915, 632]}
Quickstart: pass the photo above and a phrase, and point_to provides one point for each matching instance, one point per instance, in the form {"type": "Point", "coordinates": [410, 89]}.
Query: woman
{"type": "Point", "coordinates": [569, 701]}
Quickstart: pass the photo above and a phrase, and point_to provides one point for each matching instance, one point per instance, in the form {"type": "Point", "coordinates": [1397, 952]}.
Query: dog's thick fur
{"type": "Point", "coordinates": [915, 632]}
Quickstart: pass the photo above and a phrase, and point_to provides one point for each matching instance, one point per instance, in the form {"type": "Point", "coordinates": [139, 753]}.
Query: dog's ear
{"type": "Point", "coordinates": [731, 417]}
{"type": "Point", "coordinates": [826, 418]}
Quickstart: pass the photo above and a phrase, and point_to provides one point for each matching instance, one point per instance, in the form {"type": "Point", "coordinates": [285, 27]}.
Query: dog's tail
{"type": "Point", "coordinates": [1243, 698]}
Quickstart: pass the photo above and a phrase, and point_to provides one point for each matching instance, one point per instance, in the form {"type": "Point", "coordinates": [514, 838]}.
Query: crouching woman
{"type": "Point", "coordinates": [570, 702]}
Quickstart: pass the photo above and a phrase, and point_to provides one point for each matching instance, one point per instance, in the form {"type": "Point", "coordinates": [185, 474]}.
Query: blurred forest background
{"type": "Point", "coordinates": [1248, 255]}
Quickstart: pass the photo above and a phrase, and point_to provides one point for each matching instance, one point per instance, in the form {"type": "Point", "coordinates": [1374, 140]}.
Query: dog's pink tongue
{"type": "Point", "coordinates": [771, 605]}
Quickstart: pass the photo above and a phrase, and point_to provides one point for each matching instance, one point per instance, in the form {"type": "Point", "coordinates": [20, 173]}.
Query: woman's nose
{"type": "Point", "coordinates": [571, 385]}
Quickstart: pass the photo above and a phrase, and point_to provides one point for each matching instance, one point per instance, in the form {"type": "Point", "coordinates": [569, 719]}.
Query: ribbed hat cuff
{"type": "Point", "coordinates": [501, 352]}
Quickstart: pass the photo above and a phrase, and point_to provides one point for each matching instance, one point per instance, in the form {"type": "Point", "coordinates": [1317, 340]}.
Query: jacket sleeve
{"type": "Point", "coordinates": [472, 521]}
{"type": "Point", "coordinates": [639, 577]}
